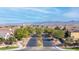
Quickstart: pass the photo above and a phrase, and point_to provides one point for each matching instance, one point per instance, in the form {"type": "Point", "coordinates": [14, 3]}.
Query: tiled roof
{"type": "Point", "coordinates": [75, 31]}
{"type": "Point", "coordinates": [4, 31]}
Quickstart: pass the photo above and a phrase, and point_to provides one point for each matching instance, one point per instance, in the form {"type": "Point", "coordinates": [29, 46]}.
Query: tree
{"type": "Point", "coordinates": [31, 30]}
{"type": "Point", "coordinates": [67, 34]}
{"type": "Point", "coordinates": [10, 40]}
{"type": "Point", "coordinates": [21, 32]}
{"type": "Point", "coordinates": [2, 39]}
{"type": "Point", "coordinates": [69, 41]}
{"type": "Point", "coordinates": [57, 28]}
{"type": "Point", "coordinates": [58, 33]}
{"type": "Point", "coordinates": [18, 34]}
{"type": "Point", "coordinates": [39, 31]}
{"type": "Point", "coordinates": [49, 32]}
{"type": "Point", "coordinates": [26, 33]}
{"type": "Point", "coordinates": [64, 28]}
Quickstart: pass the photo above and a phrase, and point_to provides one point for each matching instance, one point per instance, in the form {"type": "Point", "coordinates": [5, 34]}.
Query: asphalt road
{"type": "Point", "coordinates": [32, 42]}
{"type": "Point", "coordinates": [47, 42]}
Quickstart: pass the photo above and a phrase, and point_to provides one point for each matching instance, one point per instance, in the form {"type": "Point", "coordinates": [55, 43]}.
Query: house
{"type": "Point", "coordinates": [75, 34]}
{"type": "Point", "coordinates": [6, 32]}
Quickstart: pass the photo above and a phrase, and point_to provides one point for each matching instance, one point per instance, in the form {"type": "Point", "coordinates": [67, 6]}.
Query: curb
{"type": "Point", "coordinates": [59, 48]}
{"type": "Point", "coordinates": [14, 49]}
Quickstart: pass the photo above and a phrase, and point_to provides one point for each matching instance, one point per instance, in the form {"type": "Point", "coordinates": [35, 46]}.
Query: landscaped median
{"type": "Point", "coordinates": [39, 42]}
{"type": "Point", "coordinates": [25, 42]}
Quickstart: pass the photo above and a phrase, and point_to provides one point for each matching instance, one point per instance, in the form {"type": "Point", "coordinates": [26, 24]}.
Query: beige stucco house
{"type": "Point", "coordinates": [75, 34]}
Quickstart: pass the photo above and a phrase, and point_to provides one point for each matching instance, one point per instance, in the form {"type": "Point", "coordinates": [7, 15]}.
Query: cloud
{"type": "Point", "coordinates": [39, 10]}
{"type": "Point", "coordinates": [28, 8]}
{"type": "Point", "coordinates": [72, 13]}
{"type": "Point", "coordinates": [46, 10]}
{"type": "Point", "coordinates": [34, 11]}
{"type": "Point", "coordinates": [31, 14]}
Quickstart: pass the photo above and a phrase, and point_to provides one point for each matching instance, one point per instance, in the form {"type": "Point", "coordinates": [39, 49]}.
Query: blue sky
{"type": "Point", "coordinates": [37, 14]}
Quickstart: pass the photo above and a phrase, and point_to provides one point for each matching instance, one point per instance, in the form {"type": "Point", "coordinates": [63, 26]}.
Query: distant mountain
{"type": "Point", "coordinates": [58, 22]}
{"type": "Point", "coordinates": [45, 23]}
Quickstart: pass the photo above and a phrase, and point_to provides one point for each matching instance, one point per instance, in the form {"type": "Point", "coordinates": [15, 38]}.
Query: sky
{"type": "Point", "coordinates": [37, 14]}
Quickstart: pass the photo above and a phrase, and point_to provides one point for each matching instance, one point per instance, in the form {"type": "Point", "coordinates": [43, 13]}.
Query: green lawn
{"type": "Point", "coordinates": [8, 47]}
{"type": "Point", "coordinates": [74, 49]}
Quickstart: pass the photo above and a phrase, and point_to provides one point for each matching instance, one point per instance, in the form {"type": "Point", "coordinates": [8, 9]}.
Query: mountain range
{"type": "Point", "coordinates": [46, 23]}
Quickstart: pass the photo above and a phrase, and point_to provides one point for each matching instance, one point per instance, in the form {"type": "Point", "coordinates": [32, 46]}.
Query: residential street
{"type": "Point", "coordinates": [47, 45]}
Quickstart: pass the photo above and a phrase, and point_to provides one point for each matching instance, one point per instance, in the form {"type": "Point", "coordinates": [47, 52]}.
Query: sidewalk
{"type": "Point", "coordinates": [59, 48]}
{"type": "Point", "coordinates": [14, 49]}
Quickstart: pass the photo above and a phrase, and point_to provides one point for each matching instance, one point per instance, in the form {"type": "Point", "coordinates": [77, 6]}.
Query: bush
{"type": "Point", "coordinates": [2, 39]}
{"type": "Point", "coordinates": [10, 40]}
